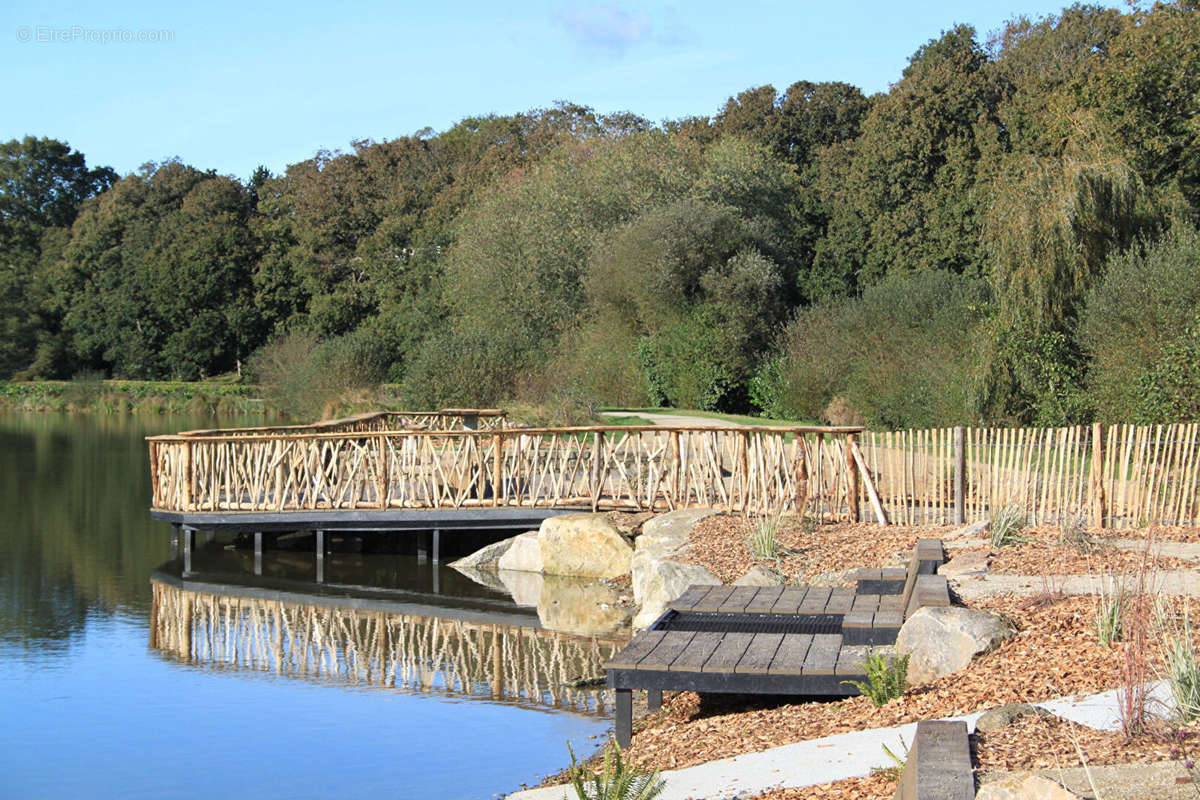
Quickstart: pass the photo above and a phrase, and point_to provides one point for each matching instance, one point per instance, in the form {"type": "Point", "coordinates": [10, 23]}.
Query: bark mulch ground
{"type": "Point", "coordinates": [872, 787]}
{"type": "Point", "coordinates": [1043, 555]}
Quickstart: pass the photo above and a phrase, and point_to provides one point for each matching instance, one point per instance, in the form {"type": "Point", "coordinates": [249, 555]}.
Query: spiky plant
{"type": "Point", "coordinates": [763, 539]}
{"type": "Point", "coordinates": [887, 677]}
{"type": "Point", "coordinates": [616, 780]}
{"type": "Point", "coordinates": [1008, 527]}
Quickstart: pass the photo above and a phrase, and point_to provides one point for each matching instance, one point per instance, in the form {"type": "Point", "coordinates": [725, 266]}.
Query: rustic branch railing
{"type": "Point", "coordinates": [747, 470]}
{"type": "Point", "coordinates": [362, 647]}
{"type": "Point", "coordinates": [448, 419]}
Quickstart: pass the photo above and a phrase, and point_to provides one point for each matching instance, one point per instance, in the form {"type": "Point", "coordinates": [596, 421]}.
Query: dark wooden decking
{"type": "Point", "coordinates": [790, 640]}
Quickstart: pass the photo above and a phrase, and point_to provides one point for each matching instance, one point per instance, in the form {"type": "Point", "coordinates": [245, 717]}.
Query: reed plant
{"type": "Point", "coordinates": [763, 539]}
{"type": "Point", "coordinates": [1008, 527]}
{"type": "Point", "coordinates": [1111, 602]}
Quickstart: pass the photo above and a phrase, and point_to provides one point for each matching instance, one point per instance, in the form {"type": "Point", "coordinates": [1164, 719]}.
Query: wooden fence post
{"type": "Point", "coordinates": [1097, 477]}
{"type": "Point", "coordinates": [187, 476]}
{"type": "Point", "coordinates": [597, 452]}
{"type": "Point", "coordinates": [852, 486]}
{"type": "Point", "coordinates": [960, 475]}
{"type": "Point", "coordinates": [497, 467]}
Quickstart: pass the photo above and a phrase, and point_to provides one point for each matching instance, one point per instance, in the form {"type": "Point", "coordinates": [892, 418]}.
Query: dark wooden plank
{"type": "Point", "coordinates": [689, 598]}
{"type": "Point", "coordinates": [636, 650]}
{"type": "Point", "coordinates": [789, 658]}
{"type": "Point", "coordinates": [822, 656]}
{"type": "Point", "coordinates": [667, 651]}
{"type": "Point", "coordinates": [840, 600]}
{"type": "Point", "coordinates": [728, 652]}
{"type": "Point", "coordinates": [738, 599]}
{"type": "Point", "coordinates": [764, 600]}
{"type": "Point", "coordinates": [789, 600]}
{"type": "Point", "coordinates": [757, 658]}
{"type": "Point", "coordinates": [815, 600]}
{"type": "Point", "coordinates": [692, 658]}
{"type": "Point", "coordinates": [713, 600]}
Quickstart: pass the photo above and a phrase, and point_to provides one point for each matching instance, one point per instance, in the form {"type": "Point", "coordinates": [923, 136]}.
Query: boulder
{"type": "Point", "coordinates": [968, 564]}
{"type": "Point", "coordinates": [484, 577]}
{"type": "Point", "coordinates": [996, 718]}
{"type": "Point", "coordinates": [523, 555]}
{"type": "Point", "coordinates": [760, 575]}
{"type": "Point", "coordinates": [973, 531]}
{"type": "Point", "coordinates": [524, 587]}
{"type": "Point", "coordinates": [669, 532]}
{"type": "Point", "coordinates": [839, 577]}
{"type": "Point", "coordinates": [485, 557]}
{"type": "Point", "coordinates": [583, 545]}
{"type": "Point", "coordinates": [583, 608]}
{"type": "Point", "coordinates": [656, 582]}
{"type": "Point", "coordinates": [1023, 787]}
{"type": "Point", "coordinates": [943, 639]}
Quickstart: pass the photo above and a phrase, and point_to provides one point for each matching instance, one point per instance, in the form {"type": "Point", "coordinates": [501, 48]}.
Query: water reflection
{"type": "Point", "coordinates": [397, 633]}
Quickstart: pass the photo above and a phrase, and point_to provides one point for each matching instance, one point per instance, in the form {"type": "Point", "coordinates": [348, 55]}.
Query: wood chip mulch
{"type": "Point", "coordinates": [872, 787]}
{"type": "Point", "coordinates": [1043, 555]}
{"type": "Point", "coordinates": [1045, 742]}
{"type": "Point", "coordinates": [719, 544]}
{"type": "Point", "coordinates": [1055, 654]}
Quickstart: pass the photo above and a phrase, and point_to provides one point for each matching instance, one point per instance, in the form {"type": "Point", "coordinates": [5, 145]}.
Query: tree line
{"type": "Point", "coordinates": [1007, 235]}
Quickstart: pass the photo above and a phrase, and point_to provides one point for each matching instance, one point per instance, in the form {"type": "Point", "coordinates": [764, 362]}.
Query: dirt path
{"type": "Point", "coordinates": [675, 420]}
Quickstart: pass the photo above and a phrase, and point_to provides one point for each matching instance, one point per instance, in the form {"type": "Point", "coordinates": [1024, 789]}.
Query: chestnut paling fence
{"type": "Point", "coordinates": [749, 470]}
{"type": "Point", "coordinates": [375, 648]}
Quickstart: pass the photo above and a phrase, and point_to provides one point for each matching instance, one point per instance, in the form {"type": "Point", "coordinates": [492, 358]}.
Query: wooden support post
{"type": "Point", "coordinates": [624, 717]}
{"type": "Point", "coordinates": [437, 546]}
{"type": "Point", "coordinates": [654, 699]}
{"type": "Point", "coordinates": [597, 453]}
{"type": "Point", "coordinates": [497, 467]}
{"type": "Point", "coordinates": [1097, 476]}
{"type": "Point", "coordinates": [258, 553]}
{"type": "Point", "coordinates": [852, 483]}
{"type": "Point", "coordinates": [423, 538]}
{"type": "Point", "coordinates": [187, 476]}
{"type": "Point", "coordinates": [320, 556]}
{"type": "Point", "coordinates": [960, 475]}
{"type": "Point", "coordinates": [497, 664]}
{"type": "Point", "coordinates": [676, 458]}
{"type": "Point", "coordinates": [188, 539]}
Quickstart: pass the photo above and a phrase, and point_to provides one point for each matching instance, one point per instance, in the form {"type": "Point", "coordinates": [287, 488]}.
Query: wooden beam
{"type": "Point", "coordinates": [868, 484]}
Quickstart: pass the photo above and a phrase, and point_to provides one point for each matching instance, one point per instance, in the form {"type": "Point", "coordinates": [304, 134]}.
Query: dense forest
{"type": "Point", "coordinates": [1007, 235]}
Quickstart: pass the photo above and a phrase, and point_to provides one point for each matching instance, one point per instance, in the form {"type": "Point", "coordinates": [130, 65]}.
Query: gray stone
{"type": "Point", "coordinates": [583, 545]}
{"type": "Point", "coordinates": [485, 557]}
{"type": "Point", "coordinates": [669, 532]}
{"type": "Point", "coordinates": [656, 582]}
{"type": "Point", "coordinates": [972, 531]}
{"type": "Point", "coordinates": [996, 718]}
{"type": "Point", "coordinates": [940, 640]}
{"type": "Point", "coordinates": [583, 608]}
{"type": "Point", "coordinates": [525, 554]}
{"type": "Point", "coordinates": [760, 575]}
{"type": "Point", "coordinates": [484, 577]}
{"type": "Point", "coordinates": [966, 565]}
{"type": "Point", "coordinates": [1024, 787]}
{"type": "Point", "coordinates": [838, 577]}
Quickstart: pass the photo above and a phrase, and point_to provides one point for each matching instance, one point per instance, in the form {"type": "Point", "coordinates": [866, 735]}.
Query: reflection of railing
{"type": "Point", "coordinates": [752, 470]}
{"type": "Point", "coordinates": [380, 648]}
{"type": "Point", "coordinates": [448, 419]}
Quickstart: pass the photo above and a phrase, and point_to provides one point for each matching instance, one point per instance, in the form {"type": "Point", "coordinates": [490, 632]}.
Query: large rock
{"type": "Point", "coordinates": [485, 557]}
{"type": "Point", "coordinates": [1023, 787]}
{"type": "Point", "coordinates": [943, 639]}
{"type": "Point", "coordinates": [584, 608]}
{"type": "Point", "coordinates": [524, 554]}
{"type": "Point", "coordinates": [583, 545]}
{"type": "Point", "coordinates": [668, 533]}
{"type": "Point", "coordinates": [968, 564]}
{"type": "Point", "coordinates": [656, 582]}
{"type": "Point", "coordinates": [484, 577]}
{"type": "Point", "coordinates": [524, 587]}
{"type": "Point", "coordinates": [760, 575]}
{"type": "Point", "coordinates": [996, 718]}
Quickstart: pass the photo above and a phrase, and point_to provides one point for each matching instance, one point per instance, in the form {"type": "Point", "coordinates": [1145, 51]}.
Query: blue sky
{"type": "Point", "coordinates": [230, 85]}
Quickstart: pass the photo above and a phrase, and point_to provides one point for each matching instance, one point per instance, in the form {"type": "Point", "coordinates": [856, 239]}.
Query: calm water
{"type": "Point", "coordinates": [95, 706]}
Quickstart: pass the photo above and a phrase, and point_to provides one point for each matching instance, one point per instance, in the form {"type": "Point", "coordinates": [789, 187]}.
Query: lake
{"type": "Point", "coordinates": [123, 676]}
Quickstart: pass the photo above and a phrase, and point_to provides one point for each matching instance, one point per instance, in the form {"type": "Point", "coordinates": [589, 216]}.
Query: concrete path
{"type": "Point", "coordinates": [832, 758]}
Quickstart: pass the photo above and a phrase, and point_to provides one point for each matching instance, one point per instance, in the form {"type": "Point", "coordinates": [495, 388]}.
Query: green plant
{"type": "Point", "coordinates": [897, 768]}
{"type": "Point", "coordinates": [1110, 610]}
{"type": "Point", "coordinates": [887, 677]}
{"type": "Point", "coordinates": [1182, 667]}
{"type": "Point", "coordinates": [763, 539]}
{"type": "Point", "coordinates": [616, 780]}
{"type": "Point", "coordinates": [1008, 527]}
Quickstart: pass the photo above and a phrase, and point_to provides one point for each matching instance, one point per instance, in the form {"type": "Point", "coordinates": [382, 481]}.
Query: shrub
{"type": "Point", "coordinates": [616, 780]}
{"type": "Point", "coordinates": [1183, 669]}
{"type": "Point", "coordinates": [887, 677]}
{"type": "Point", "coordinates": [1008, 527]}
{"type": "Point", "coordinates": [307, 378]}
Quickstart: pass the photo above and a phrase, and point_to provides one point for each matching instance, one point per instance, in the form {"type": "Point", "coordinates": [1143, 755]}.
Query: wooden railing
{"type": "Point", "coordinates": [448, 419]}
{"type": "Point", "coordinates": [377, 648]}
{"type": "Point", "coordinates": [1103, 476]}
{"type": "Point", "coordinates": [752, 470]}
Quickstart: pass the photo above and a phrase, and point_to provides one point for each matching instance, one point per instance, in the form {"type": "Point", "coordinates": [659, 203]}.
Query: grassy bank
{"type": "Point", "coordinates": [120, 397]}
